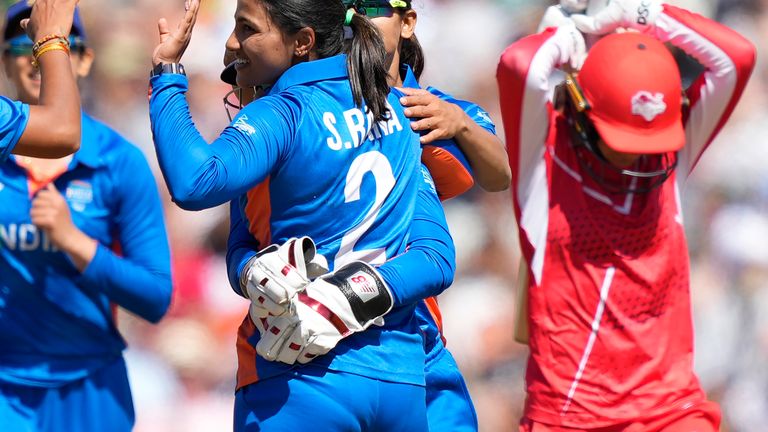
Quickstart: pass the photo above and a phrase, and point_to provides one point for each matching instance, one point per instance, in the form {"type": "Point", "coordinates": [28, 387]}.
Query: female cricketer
{"type": "Point", "coordinates": [597, 176]}
{"type": "Point", "coordinates": [459, 147]}
{"type": "Point", "coordinates": [52, 127]}
{"type": "Point", "coordinates": [328, 154]}
{"type": "Point", "coordinates": [79, 236]}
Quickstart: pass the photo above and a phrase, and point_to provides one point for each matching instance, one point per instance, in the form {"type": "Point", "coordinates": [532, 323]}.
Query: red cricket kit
{"type": "Point", "coordinates": [611, 335]}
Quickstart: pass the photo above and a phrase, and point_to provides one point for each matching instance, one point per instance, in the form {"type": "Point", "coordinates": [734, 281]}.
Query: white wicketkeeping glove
{"type": "Point", "coordinates": [573, 49]}
{"type": "Point", "coordinates": [332, 307]}
{"type": "Point", "coordinates": [558, 15]}
{"type": "Point", "coordinates": [277, 273]}
{"type": "Point", "coordinates": [630, 14]}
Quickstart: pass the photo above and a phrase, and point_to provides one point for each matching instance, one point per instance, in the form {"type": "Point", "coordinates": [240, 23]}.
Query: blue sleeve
{"type": "Point", "coordinates": [428, 265]}
{"type": "Point", "coordinates": [474, 111]}
{"type": "Point", "coordinates": [201, 175]}
{"type": "Point", "coordinates": [241, 245]}
{"type": "Point", "coordinates": [14, 116]}
{"type": "Point", "coordinates": [140, 279]}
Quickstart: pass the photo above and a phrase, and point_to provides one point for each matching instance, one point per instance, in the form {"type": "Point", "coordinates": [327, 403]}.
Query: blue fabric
{"type": "Point", "coordinates": [329, 401]}
{"type": "Point", "coordinates": [428, 267]}
{"type": "Point", "coordinates": [56, 324]}
{"type": "Point", "coordinates": [100, 402]}
{"type": "Point", "coordinates": [333, 174]}
{"type": "Point", "coordinates": [449, 405]}
{"type": "Point", "coordinates": [14, 116]}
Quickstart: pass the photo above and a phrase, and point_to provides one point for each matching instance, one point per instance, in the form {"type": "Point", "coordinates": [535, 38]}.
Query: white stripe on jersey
{"type": "Point", "coordinates": [715, 94]}
{"type": "Point", "coordinates": [592, 337]}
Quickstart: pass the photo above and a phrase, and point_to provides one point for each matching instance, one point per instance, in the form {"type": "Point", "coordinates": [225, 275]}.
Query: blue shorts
{"type": "Point", "coordinates": [322, 400]}
{"type": "Point", "coordinates": [449, 406]}
{"type": "Point", "coordinates": [100, 402]}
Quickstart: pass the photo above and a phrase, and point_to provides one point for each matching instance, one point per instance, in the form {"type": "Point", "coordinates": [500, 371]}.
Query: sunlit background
{"type": "Point", "coordinates": [182, 370]}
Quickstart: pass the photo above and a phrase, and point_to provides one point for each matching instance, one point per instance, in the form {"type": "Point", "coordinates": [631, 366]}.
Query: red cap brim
{"type": "Point", "coordinates": [638, 141]}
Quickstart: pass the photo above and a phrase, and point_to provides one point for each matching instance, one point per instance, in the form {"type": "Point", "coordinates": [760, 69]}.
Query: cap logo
{"type": "Point", "coordinates": [648, 105]}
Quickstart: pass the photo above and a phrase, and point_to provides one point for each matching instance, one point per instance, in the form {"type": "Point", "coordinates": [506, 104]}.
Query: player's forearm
{"type": "Point", "coordinates": [241, 247]}
{"type": "Point", "coordinates": [523, 77]}
{"type": "Point", "coordinates": [53, 129]}
{"type": "Point", "coordinates": [181, 151]}
{"type": "Point", "coordinates": [718, 48]}
{"type": "Point", "coordinates": [487, 156]}
{"type": "Point", "coordinates": [79, 248]}
{"type": "Point", "coordinates": [201, 175]}
{"type": "Point", "coordinates": [429, 263]}
{"type": "Point", "coordinates": [144, 290]}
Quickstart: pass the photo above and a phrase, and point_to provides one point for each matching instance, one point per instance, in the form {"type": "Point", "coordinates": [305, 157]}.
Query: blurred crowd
{"type": "Point", "coordinates": [182, 370]}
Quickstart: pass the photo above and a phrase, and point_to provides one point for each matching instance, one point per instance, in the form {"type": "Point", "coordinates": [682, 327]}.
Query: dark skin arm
{"type": "Point", "coordinates": [444, 120]}
{"type": "Point", "coordinates": [53, 129]}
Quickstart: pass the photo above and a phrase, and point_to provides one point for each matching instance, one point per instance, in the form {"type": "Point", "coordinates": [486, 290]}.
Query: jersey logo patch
{"type": "Point", "coordinates": [242, 125]}
{"type": "Point", "coordinates": [648, 105]}
{"type": "Point", "coordinates": [79, 194]}
{"type": "Point", "coordinates": [363, 285]}
{"type": "Point", "coordinates": [482, 115]}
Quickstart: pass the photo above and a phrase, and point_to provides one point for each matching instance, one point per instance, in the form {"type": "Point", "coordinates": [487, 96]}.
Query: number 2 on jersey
{"type": "Point", "coordinates": [378, 165]}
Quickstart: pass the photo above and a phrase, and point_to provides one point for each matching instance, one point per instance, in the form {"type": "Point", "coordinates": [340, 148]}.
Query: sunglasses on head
{"type": "Point", "coordinates": [22, 46]}
{"type": "Point", "coordinates": [377, 8]}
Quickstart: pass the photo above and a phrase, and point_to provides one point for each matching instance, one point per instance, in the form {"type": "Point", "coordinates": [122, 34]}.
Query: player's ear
{"type": "Point", "coordinates": [408, 27]}
{"type": "Point", "coordinates": [304, 42]}
{"type": "Point", "coordinates": [85, 61]}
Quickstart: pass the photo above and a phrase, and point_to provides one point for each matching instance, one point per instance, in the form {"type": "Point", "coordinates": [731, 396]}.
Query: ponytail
{"type": "Point", "coordinates": [367, 67]}
{"type": "Point", "coordinates": [412, 54]}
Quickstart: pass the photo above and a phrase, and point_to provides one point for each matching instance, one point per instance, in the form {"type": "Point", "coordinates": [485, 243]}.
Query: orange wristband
{"type": "Point", "coordinates": [50, 47]}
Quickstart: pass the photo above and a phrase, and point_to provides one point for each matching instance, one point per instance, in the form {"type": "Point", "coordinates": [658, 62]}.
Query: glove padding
{"type": "Point", "coordinates": [276, 274]}
{"type": "Point", "coordinates": [630, 14]}
{"type": "Point", "coordinates": [558, 15]}
{"type": "Point", "coordinates": [573, 49]}
{"type": "Point", "coordinates": [331, 308]}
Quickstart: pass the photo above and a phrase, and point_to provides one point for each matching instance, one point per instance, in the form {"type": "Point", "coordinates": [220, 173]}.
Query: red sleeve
{"type": "Point", "coordinates": [728, 59]}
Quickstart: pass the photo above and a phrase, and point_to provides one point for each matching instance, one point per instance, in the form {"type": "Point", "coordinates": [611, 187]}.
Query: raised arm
{"type": "Point", "coordinates": [523, 76]}
{"type": "Point", "coordinates": [53, 127]}
{"type": "Point", "coordinates": [728, 59]}
{"type": "Point", "coordinates": [201, 175]}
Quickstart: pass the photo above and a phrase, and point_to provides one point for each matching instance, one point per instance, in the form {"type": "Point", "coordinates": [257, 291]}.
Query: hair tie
{"type": "Point", "coordinates": [350, 14]}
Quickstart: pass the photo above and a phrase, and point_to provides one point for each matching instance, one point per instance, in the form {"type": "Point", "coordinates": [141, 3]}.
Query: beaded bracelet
{"type": "Point", "coordinates": [49, 47]}
{"type": "Point", "coordinates": [53, 41]}
{"type": "Point", "coordinates": [47, 38]}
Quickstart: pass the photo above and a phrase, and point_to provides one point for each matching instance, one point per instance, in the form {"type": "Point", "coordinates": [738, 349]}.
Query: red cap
{"type": "Point", "coordinates": [633, 86]}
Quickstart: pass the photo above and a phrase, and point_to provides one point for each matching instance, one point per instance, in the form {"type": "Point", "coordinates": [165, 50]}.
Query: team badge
{"type": "Point", "coordinates": [79, 194]}
{"type": "Point", "coordinates": [648, 105]}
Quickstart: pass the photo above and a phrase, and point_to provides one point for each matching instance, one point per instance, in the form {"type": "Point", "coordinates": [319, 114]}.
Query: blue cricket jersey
{"type": "Point", "coordinates": [57, 324]}
{"type": "Point", "coordinates": [13, 120]}
{"type": "Point", "coordinates": [427, 312]}
{"type": "Point", "coordinates": [304, 160]}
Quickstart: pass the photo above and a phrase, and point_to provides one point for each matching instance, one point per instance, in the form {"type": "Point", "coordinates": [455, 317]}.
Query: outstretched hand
{"type": "Point", "coordinates": [173, 44]}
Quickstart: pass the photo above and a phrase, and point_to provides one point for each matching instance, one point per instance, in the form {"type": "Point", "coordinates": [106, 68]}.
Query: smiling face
{"type": "Point", "coordinates": [262, 50]}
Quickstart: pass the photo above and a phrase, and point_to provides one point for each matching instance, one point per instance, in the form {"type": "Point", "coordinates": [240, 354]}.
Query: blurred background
{"type": "Point", "coordinates": [182, 370]}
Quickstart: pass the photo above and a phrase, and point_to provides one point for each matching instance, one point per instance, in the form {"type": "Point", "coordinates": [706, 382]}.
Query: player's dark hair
{"type": "Point", "coordinates": [366, 56]}
{"type": "Point", "coordinates": [412, 54]}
